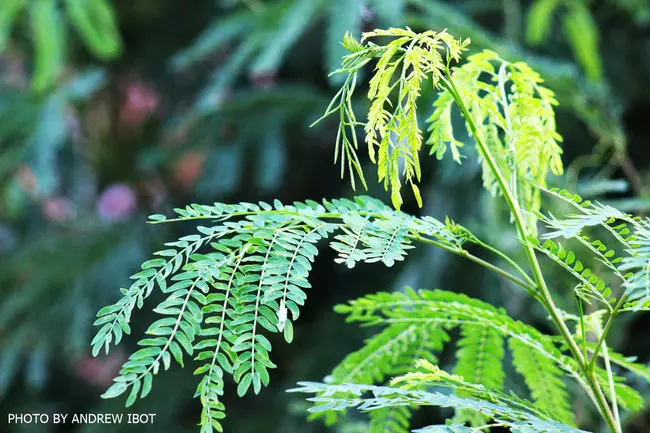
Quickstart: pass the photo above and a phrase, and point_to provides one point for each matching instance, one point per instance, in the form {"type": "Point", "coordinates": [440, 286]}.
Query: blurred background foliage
{"type": "Point", "coordinates": [114, 109]}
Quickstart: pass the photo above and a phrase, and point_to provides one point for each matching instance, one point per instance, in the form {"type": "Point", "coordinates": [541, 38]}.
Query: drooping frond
{"type": "Point", "coordinates": [479, 360]}
{"type": "Point", "coordinates": [246, 276]}
{"type": "Point", "coordinates": [393, 135]}
{"type": "Point", "coordinates": [396, 419]}
{"type": "Point", "coordinates": [513, 115]}
{"type": "Point", "coordinates": [544, 380]}
{"type": "Point", "coordinates": [483, 328]}
{"type": "Point", "coordinates": [506, 409]}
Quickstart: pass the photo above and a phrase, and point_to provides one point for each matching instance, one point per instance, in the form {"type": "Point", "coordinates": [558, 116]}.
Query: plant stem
{"type": "Point", "coordinates": [612, 389]}
{"type": "Point", "coordinates": [531, 289]}
{"type": "Point", "coordinates": [603, 335]}
{"type": "Point", "coordinates": [507, 259]}
{"type": "Point", "coordinates": [532, 259]}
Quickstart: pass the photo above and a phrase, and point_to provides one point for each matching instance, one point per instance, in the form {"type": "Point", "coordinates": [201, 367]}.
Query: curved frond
{"type": "Point", "coordinates": [396, 419]}
{"type": "Point", "coordinates": [514, 116]}
{"type": "Point", "coordinates": [392, 132]}
{"type": "Point", "coordinates": [234, 282]}
{"type": "Point", "coordinates": [507, 410]}
{"type": "Point", "coordinates": [544, 380]}
{"type": "Point", "coordinates": [448, 309]}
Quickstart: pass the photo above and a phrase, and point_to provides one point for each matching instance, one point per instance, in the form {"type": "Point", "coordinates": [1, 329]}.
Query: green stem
{"type": "Point", "coordinates": [612, 388]}
{"type": "Point", "coordinates": [507, 259]}
{"type": "Point", "coordinates": [554, 312]}
{"type": "Point", "coordinates": [603, 335]}
{"type": "Point", "coordinates": [530, 288]}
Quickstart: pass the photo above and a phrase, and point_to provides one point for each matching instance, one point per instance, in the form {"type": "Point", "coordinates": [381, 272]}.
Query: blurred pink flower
{"type": "Point", "coordinates": [100, 371]}
{"type": "Point", "coordinates": [58, 209]}
{"type": "Point", "coordinates": [141, 101]}
{"type": "Point", "coordinates": [188, 168]}
{"type": "Point", "coordinates": [27, 180]}
{"type": "Point", "coordinates": [116, 203]}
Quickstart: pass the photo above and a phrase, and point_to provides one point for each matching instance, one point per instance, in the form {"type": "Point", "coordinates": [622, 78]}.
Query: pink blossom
{"type": "Point", "coordinates": [116, 203]}
{"type": "Point", "coordinates": [141, 101]}
{"type": "Point", "coordinates": [100, 371]}
{"type": "Point", "coordinates": [58, 209]}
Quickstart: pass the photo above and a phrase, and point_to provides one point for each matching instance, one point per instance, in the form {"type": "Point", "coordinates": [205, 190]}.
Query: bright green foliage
{"type": "Point", "coordinates": [480, 358]}
{"type": "Point", "coordinates": [253, 280]}
{"type": "Point", "coordinates": [246, 273]}
{"type": "Point", "coordinates": [393, 135]}
{"type": "Point", "coordinates": [513, 104]}
{"type": "Point", "coordinates": [506, 410]}
{"type": "Point", "coordinates": [544, 380]}
{"type": "Point", "coordinates": [579, 26]}
{"type": "Point", "coordinates": [94, 20]}
{"type": "Point", "coordinates": [516, 105]}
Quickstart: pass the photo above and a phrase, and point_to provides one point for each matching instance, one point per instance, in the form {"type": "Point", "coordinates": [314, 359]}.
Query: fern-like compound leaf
{"type": "Point", "coordinates": [483, 329]}
{"type": "Point", "coordinates": [245, 276]}
{"type": "Point", "coordinates": [479, 360]}
{"type": "Point", "coordinates": [514, 116]}
{"type": "Point", "coordinates": [507, 410]}
{"type": "Point", "coordinates": [544, 380]}
{"type": "Point", "coordinates": [590, 287]}
{"type": "Point", "coordinates": [396, 419]}
{"type": "Point", "coordinates": [392, 133]}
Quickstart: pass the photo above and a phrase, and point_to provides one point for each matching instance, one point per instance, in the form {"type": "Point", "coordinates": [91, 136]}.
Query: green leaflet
{"type": "Point", "coordinates": [251, 281]}
{"type": "Point", "coordinates": [544, 380]}
{"type": "Point", "coordinates": [345, 16]}
{"type": "Point", "coordinates": [583, 36]}
{"type": "Point", "coordinates": [540, 20]}
{"type": "Point", "coordinates": [480, 361]}
{"type": "Point", "coordinates": [96, 24]}
{"type": "Point", "coordinates": [48, 29]}
{"type": "Point", "coordinates": [506, 409]}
